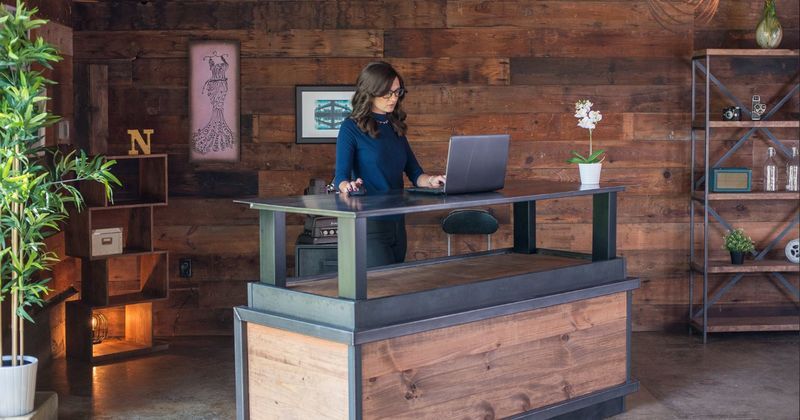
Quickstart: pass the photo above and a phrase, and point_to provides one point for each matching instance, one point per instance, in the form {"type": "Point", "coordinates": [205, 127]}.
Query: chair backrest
{"type": "Point", "coordinates": [470, 222]}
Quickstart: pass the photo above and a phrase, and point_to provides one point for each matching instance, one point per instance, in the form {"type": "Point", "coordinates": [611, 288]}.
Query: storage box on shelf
{"type": "Point", "coordinates": [711, 315]}
{"type": "Point", "coordinates": [121, 287]}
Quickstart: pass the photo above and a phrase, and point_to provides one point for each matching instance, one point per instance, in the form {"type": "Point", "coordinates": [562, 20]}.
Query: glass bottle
{"type": "Point", "coordinates": [770, 171]}
{"type": "Point", "coordinates": [792, 165]}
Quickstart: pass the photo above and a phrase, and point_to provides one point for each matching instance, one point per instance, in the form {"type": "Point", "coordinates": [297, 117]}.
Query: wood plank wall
{"type": "Point", "coordinates": [471, 67]}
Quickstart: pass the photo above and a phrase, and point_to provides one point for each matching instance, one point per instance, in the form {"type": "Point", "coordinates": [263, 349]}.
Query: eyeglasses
{"type": "Point", "coordinates": [399, 93]}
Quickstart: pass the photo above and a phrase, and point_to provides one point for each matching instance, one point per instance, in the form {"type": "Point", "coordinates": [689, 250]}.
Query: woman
{"type": "Point", "coordinates": [372, 153]}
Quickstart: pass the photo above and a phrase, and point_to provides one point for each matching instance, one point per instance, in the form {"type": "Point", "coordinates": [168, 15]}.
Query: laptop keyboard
{"type": "Point", "coordinates": [437, 190]}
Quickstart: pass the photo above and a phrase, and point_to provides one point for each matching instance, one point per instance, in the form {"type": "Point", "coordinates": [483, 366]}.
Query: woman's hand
{"type": "Point", "coordinates": [431, 181]}
{"type": "Point", "coordinates": [346, 186]}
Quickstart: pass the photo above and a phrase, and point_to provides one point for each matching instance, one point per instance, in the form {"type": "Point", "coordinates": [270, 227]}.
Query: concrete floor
{"type": "Point", "coordinates": [734, 376]}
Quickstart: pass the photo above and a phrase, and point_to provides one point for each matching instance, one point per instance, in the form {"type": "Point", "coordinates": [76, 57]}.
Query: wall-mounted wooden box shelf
{"type": "Point", "coordinates": [130, 332]}
{"type": "Point", "coordinates": [126, 279]}
{"type": "Point", "coordinates": [144, 182]}
{"type": "Point", "coordinates": [121, 286]}
{"type": "Point", "coordinates": [136, 224]}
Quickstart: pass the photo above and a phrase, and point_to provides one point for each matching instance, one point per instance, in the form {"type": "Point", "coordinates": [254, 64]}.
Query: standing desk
{"type": "Point", "coordinates": [522, 332]}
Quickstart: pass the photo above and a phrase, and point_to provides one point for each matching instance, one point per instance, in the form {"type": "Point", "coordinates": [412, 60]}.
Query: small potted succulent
{"type": "Point", "coordinates": [591, 164]}
{"type": "Point", "coordinates": [737, 243]}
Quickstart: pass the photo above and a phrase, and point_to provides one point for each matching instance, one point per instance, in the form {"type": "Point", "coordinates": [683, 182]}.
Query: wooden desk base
{"type": "Point", "coordinates": [492, 368]}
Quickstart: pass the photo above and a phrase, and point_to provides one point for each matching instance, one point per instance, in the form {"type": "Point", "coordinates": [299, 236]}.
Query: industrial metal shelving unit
{"type": "Point", "coordinates": [743, 319]}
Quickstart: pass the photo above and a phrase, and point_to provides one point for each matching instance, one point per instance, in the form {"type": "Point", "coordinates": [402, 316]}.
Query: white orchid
{"type": "Point", "coordinates": [587, 119]}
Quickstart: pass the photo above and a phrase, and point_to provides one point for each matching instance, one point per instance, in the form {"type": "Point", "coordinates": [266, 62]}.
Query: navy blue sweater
{"type": "Point", "coordinates": [380, 162]}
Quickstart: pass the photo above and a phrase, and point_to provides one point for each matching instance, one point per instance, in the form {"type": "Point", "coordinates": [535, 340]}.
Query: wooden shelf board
{"type": "Point", "coordinates": [130, 299]}
{"type": "Point", "coordinates": [742, 324]}
{"type": "Point", "coordinates": [128, 205]}
{"type": "Point", "coordinates": [118, 348]}
{"type": "Point", "coordinates": [139, 156]}
{"type": "Point", "coordinates": [129, 252]}
{"type": "Point", "coordinates": [736, 318]}
{"type": "Point", "coordinates": [746, 124]}
{"type": "Point", "coordinates": [409, 279]}
{"type": "Point", "coordinates": [53, 300]}
{"type": "Point", "coordinates": [749, 266]}
{"type": "Point", "coordinates": [750, 52]}
{"type": "Point", "coordinates": [758, 195]}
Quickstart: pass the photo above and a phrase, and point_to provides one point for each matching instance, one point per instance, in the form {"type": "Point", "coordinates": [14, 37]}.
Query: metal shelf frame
{"type": "Point", "coordinates": [701, 63]}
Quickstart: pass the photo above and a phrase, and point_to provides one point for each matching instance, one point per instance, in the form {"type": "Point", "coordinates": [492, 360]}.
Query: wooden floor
{"type": "Point", "coordinates": [734, 376]}
{"type": "Point", "coordinates": [404, 280]}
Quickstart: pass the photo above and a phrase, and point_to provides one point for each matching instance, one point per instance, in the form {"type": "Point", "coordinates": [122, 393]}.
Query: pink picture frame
{"type": "Point", "coordinates": [214, 101]}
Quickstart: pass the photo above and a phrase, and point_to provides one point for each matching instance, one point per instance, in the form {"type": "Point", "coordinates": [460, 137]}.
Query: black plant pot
{"type": "Point", "coordinates": [737, 258]}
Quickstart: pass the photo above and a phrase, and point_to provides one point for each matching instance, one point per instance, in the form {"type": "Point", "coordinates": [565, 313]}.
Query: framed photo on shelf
{"type": "Point", "coordinates": [214, 101]}
{"type": "Point", "coordinates": [321, 111]}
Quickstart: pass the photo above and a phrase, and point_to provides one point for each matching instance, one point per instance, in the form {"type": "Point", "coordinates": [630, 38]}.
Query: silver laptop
{"type": "Point", "coordinates": [474, 164]}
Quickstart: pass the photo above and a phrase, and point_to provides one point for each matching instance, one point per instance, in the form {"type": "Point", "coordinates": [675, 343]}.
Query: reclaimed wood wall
{"type": "Point", "coordinates": [471, 67]}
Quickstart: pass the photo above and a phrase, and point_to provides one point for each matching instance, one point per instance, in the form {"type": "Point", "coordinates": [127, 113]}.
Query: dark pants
{"type": "Point", "coordinates": [386, 241]}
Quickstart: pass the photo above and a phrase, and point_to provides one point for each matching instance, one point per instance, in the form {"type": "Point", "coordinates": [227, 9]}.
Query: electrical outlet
{"type": "Point", "coordinates": [63, 131]}
{"type": "Point", "coordinates": [185, 267]}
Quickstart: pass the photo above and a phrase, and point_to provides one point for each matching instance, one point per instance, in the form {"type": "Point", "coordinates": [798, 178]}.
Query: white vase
{"type": "Point", "coordinates": [18, 385]}
{"type": "Point", "coordinates": [590, 173]}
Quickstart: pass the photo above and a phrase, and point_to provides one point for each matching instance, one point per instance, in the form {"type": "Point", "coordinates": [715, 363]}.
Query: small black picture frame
{"type": "Point", "coordinates": [320, 110]}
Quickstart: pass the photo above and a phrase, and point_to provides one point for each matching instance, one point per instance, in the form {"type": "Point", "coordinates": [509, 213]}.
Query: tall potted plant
{"type": "Point", "coordinates": [590, 165]}
{"type": "Point", "coordinates": [37, 185]}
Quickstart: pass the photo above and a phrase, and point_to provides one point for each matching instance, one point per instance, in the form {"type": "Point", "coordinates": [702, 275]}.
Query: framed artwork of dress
{"type": "Point", "coordinates": [321, 111]}
{"type": "Point", "coordinates": [214, 101]}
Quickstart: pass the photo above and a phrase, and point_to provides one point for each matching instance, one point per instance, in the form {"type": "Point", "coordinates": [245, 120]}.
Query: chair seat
{"type": "Point", "coordinates": [470, 222]}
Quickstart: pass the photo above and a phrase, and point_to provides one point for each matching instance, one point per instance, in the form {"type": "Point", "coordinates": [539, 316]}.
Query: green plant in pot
{"type": "Point", "coordinates": [37, 186]}
{"type": "Point", "coordinates": [591, 164]}
{"type": "Point", "coordinates": [737, 243]}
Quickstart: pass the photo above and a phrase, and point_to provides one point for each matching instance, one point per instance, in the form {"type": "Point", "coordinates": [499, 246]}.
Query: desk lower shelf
{"type": "Point", "coordinates": [434, 289]}
{"type": "Point", "coordinates": [416, 277]}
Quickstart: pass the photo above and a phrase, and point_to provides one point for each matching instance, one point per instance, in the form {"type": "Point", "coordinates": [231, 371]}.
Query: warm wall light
{"type": "Point", "coordinates": [99, 327]}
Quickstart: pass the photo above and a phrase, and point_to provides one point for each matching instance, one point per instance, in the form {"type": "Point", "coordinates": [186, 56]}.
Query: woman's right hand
{"type": "Point", "coordinates": [346, 186]}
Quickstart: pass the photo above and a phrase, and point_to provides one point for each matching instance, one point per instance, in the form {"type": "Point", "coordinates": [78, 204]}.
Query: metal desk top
{"type": "Point", "coordinates": [401, 202]}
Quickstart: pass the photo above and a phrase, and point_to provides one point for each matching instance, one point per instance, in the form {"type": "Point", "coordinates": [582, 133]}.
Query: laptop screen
{"type": "Point", "coordinates": [476, 163]}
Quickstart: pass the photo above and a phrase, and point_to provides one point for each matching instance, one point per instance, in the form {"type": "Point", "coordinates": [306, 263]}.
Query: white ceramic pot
{"type": "Point", "coordinates": [590, 173]}
{"type": "Point", "coordinates": [18, 385]}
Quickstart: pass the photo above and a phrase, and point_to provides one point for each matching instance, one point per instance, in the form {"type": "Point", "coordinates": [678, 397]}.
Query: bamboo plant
{"type": "Point", "coordinates": [38, 183]}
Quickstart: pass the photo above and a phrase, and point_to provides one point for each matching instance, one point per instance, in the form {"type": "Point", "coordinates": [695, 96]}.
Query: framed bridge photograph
{"type": "Point", "coordinates": [321, 111]}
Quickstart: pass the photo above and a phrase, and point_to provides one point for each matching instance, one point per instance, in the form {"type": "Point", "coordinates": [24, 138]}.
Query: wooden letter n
{"type": "Point", "coordinates": [136, 137]}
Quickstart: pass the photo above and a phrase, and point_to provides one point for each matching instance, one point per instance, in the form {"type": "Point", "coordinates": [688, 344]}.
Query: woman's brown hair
{"type": "Point", "coordinates": [375, 80]}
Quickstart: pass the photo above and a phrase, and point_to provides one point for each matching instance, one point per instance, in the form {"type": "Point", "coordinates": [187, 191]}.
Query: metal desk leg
{"type": "Point", "coordinates": [525, 227]}
{"type": "Point", "coordinates": [352, 240]}
{"type": "Point", "coordinates": [272, 244]}
{"type": "Point", "coordinates": [604, 226]}
{"type": "Point", "coordinates": [240, 355]}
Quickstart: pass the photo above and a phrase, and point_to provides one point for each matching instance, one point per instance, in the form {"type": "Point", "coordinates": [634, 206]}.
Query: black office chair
{"type": "Point", "coordinates": [470, 222]}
